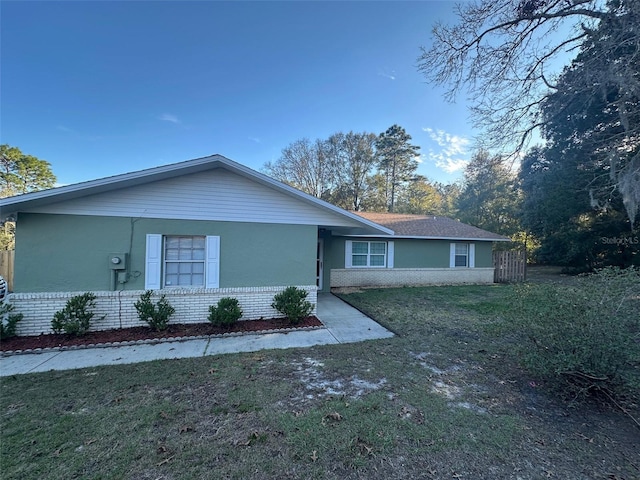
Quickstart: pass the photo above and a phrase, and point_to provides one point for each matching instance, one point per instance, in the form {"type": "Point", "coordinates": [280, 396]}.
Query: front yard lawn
{"type": "Point", "coordinates": [445, 399]}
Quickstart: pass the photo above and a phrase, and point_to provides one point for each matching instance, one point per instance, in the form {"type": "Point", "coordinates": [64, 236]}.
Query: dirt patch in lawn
{"type": "Point", "coordinates": [145, 333]}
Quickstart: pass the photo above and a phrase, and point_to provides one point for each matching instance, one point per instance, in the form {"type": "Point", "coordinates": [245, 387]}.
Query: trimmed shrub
{"type": "Point", "coordinates": [8, 321]}
{"type": "Point", "coordinates": [226, 313]}
{"type": "Point", "coordinates": [292, 302]}
{"type": "Point", "coordinates": [155, 315]}
{"type": "Point", "coordinates": [75, 318]}
{"type": "Point", "coordinates": [587, 336]}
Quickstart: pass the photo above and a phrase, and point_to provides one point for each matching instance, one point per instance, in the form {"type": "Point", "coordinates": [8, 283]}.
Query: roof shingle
{"type": "Point", "coordinates": [429, 226]}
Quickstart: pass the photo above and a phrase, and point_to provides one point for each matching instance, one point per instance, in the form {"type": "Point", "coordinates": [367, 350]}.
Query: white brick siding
{"type": "Point", "coordinates": [192, 306]}
{"type": "Point", "coordinates": [368, 277]}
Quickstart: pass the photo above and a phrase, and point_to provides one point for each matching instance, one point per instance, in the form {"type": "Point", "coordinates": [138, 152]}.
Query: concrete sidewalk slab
{"type": "Point", "coordinates": [344, 324]}
{"type": "Point", "coordinates": [18, 364]}
{"type": "Point", "coordinates": [252, 343]}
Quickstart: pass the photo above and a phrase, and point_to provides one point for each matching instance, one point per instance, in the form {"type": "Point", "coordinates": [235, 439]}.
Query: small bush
{"type": "Point", "coordinates": [8, 321]}
{"type": "Point", "coordinates": [226, 313]}
{"type": "Point", "coordinates": [587, 335]}
{"type": "Point", "coordinates": [292, 302]}
{"type": "Point", "coordinates": [155, 315]}
{"type": "Point", "coordinates": [75, 318]}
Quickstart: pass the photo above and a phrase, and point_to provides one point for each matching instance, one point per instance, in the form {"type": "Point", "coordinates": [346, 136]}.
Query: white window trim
{"type": "Point", "coordinates": [471, 255]}
{"type": "Point", "coordinates": [153, 277]}
{"type": "Point", "coordinates": [348, 254]}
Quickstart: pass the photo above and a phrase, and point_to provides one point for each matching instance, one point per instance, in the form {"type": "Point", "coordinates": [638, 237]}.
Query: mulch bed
{"type": "Point", "coordinates": [145, 333]}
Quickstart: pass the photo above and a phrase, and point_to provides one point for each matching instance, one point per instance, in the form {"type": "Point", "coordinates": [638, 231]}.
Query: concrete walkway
{"type": "Point", "coordinates": [344, 324]}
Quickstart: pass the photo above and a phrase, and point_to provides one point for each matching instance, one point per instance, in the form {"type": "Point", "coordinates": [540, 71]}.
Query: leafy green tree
{"type": "Point", "coordinates": [374, 199]}
{"type": "Point", "coordinates": [582, 190]}
{"type": "Point", "coordinates": [571, 232]}
{"type": "Point", "coordinates": [449, 193]}
{"type": "Point", "coordinates": [8, 236]}
{"type": "Point", "coordinates": [397, 161]}
{"type": "Point", "coordinates": [592, 123]}
{"type": "Point", "coordinates": [20, 173]}
{"type": "Point", "coordinates": [420, 197]}
{"type": "Point", "coordinates": [353, 157]}
{"type": "Point", "coordinates": [490, 198]}
{"type": "Point", "coordinates": [505, 55]}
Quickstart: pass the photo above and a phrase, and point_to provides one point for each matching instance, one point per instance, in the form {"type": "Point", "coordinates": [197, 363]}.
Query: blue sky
{"type": "Point", "coordinates": [102, 88]}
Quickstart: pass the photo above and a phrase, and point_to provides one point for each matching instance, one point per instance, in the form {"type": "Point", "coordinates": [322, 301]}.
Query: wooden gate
{"type": "Point", "coordinates": [509, 266]}
{"type": "Point", "coordinates": [6, 267]}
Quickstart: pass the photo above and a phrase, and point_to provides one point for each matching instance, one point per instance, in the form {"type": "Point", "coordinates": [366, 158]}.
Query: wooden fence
{"type": "Point", "coordinates": [6, 266]}
{"type": "Point", "coordinates": [509, 266]}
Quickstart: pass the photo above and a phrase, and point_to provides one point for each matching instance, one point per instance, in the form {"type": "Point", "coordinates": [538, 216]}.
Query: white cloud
{"type": "Point", "coordinates": [255, 139]}
{"type": "Point", "coordinates": [385, 74]}
{"type": "Point", "coordinates": [453, 150]}
{"type": "Point", "coordinates": [167, 117]}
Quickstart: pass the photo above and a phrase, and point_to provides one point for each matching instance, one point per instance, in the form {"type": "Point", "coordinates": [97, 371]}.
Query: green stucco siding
{"type": "Point", "coordinates": [70, 252]}
{"type": "Point", "coordinates": [421, 253]}
{"type": "Point", "coordinates": [333, 257]}
{"type": "Point", "coordinates": [484, 255]}
{"type": "Point", "coordinates": [408, 253]}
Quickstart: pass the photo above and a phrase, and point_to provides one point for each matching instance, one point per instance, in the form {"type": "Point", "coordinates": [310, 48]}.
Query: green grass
{"type": "Point", "coordinates": [444, 399]}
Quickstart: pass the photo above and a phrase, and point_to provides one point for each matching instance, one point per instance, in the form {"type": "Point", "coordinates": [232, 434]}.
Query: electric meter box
{"type": "Point", "coordinates": [118, 261]}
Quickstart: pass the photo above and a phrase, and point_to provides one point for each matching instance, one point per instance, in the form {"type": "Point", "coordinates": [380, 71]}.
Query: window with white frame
{"type": "Point", "coordinates": [462, 255]}
{"type": "Point", "coordinates": [368, 254]}
{"type": "Point", "coordinates": [182, 261]}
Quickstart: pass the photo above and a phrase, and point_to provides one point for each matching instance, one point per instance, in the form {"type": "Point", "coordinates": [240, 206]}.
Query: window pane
{"type": "Point", "coordinates": [462, 248]}
{"type": "Point", "coordinates": [377, 260]}
{"type": "Point", "coordinates": [360, 247]}
{"type": "Point", "coordinates": [185, 254]}
{"type": "Point", "coordinates": [378, 248]}
{"type": "Point", "coordinates": [197, 268]}
{"type": "Point", "coordinates": [198, 243]}
{"type": "Point", "coordinates": [172, 254]}
{"type": "Point", "coordinates": [198, 254]}
{"type": "Point", "coordinates": [197, 280]}
{"type": "Point", "coordinates": [461, 261]}
{"type": "Point", "coordinates": [172, 242]}
{"type": "Point", "coordinates": [359, 260]}
{"type": "Point", "coordinates": [172, 268]}
{"type": "Point", "coordinates": [185, 268]}
{"type": "Point", "coordinates": [186, 242]}
{"type": "Point", "coordinates": [184, 280]}
{"type": "Point", "coordinates": [171, 280]}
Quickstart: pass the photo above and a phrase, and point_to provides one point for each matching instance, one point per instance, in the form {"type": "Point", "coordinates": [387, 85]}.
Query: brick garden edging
{"type": "Point", "coordinates": [153, 341]}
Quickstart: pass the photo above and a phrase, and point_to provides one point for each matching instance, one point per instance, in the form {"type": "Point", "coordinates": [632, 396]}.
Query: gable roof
{"type": "Point", "coordinates": [30, 201]}
{"type": "Point", "coordinates": [431, 227]}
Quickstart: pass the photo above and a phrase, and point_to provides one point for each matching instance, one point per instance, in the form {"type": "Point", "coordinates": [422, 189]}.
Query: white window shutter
{"type": "Point", "coordinates": [472, 255]}
{"type": "Point", "coordinates": [452, 255]}
{"type": "Point", "coordinates": [390, 254]}
{"type": "Point", "coordinates": [347, 254]}
{"type": "Point", "coordinates": [153, 262]}
{"type": "Point", "coordinates": [212, 274]}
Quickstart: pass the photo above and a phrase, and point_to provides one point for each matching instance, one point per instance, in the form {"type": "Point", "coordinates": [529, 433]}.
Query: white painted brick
{"type": "Point", "coordinates": [365, 277]}
{"type": "Point", "coordinates": [192, 306]}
